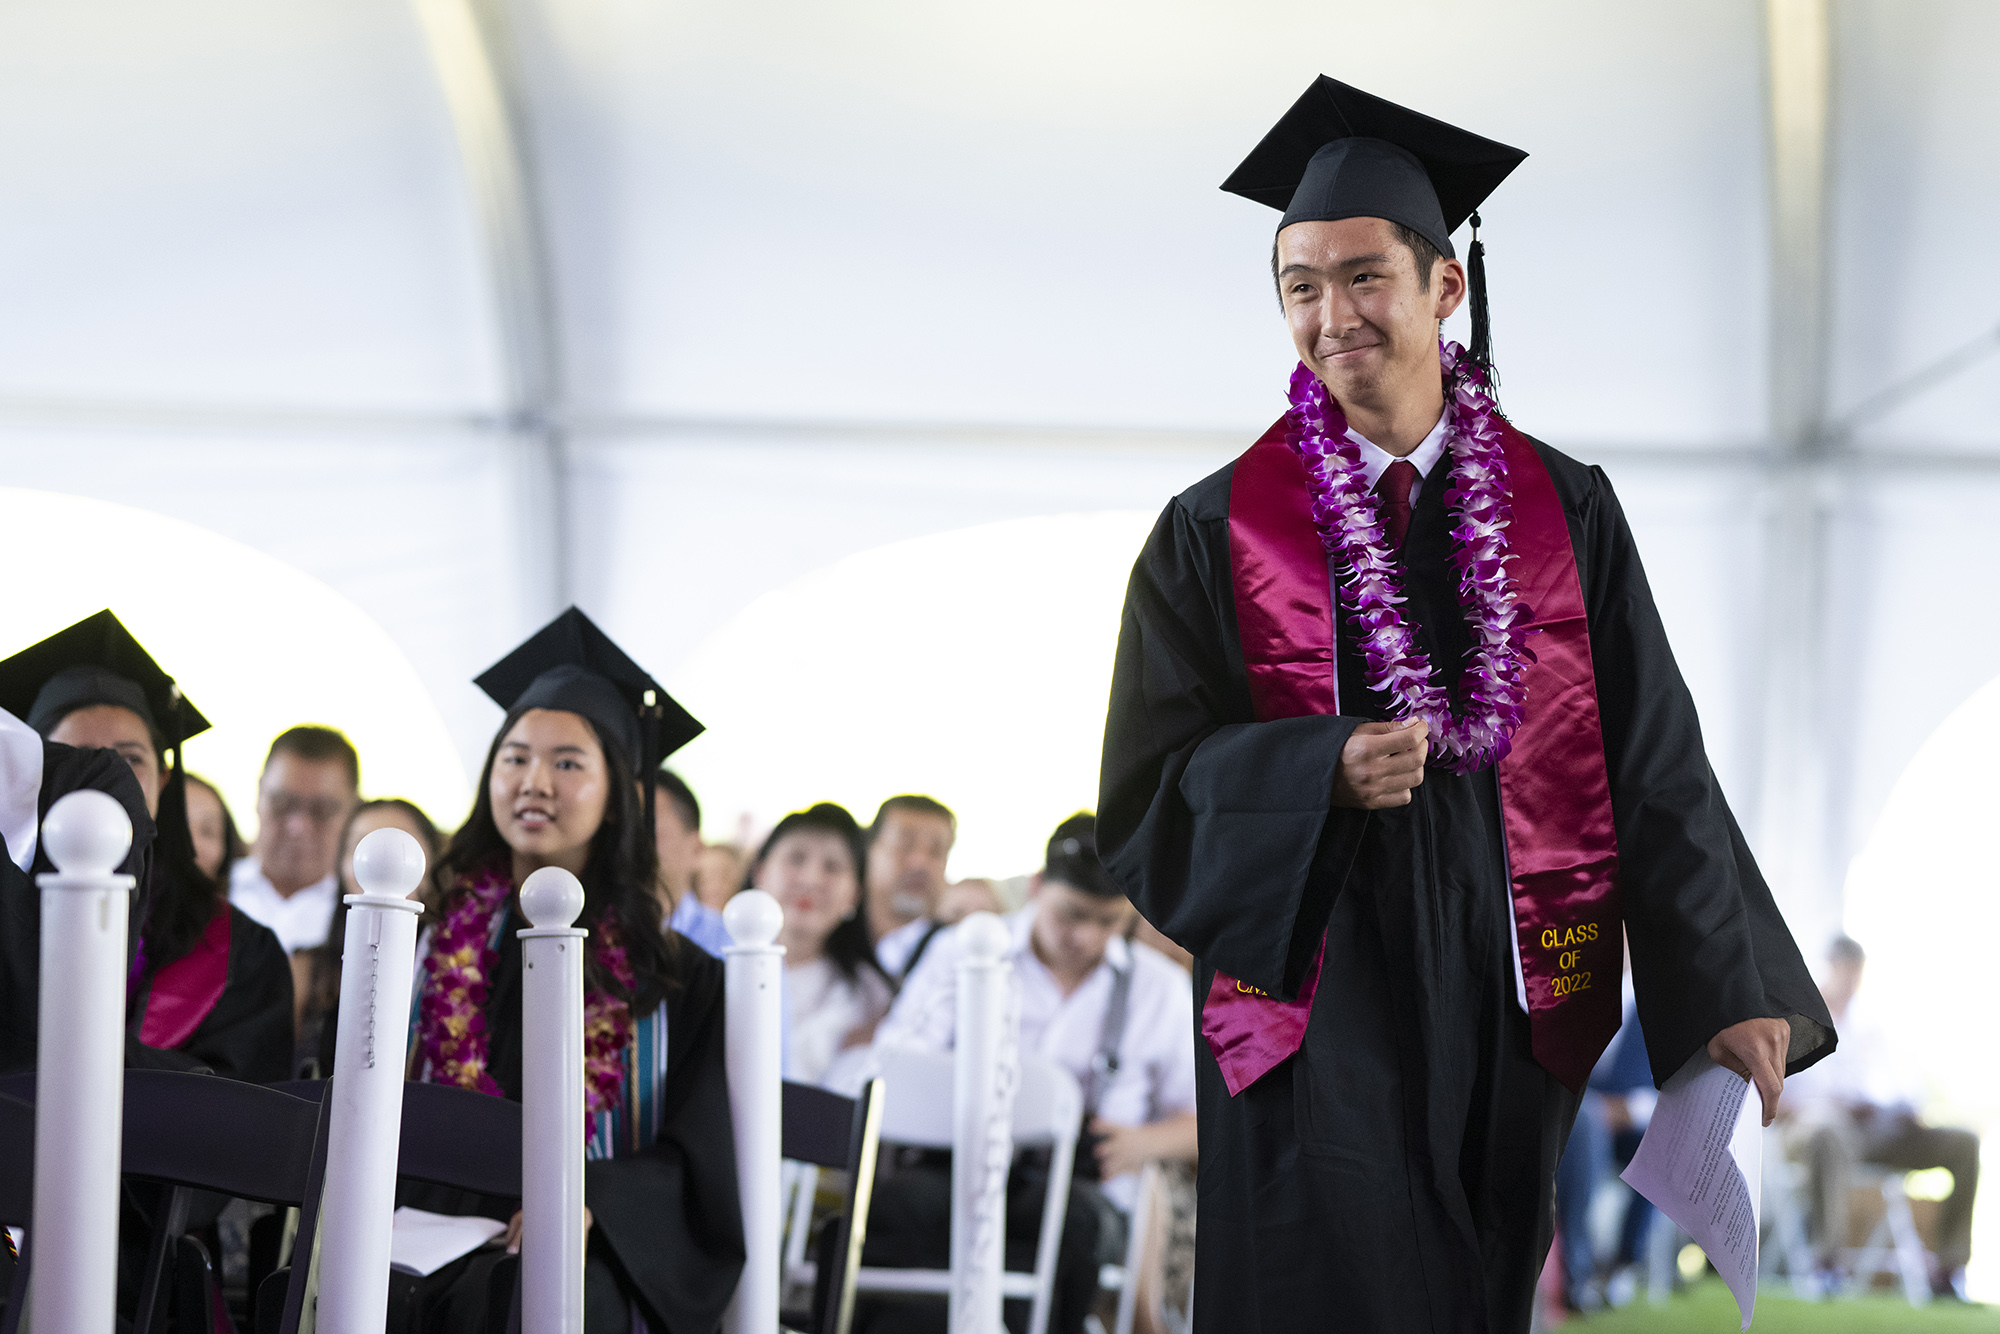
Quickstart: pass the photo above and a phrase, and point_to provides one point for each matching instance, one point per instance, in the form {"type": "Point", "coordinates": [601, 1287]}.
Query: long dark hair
{"type": "Point", "coordinates": [847, 945]}
{"type": "Point", "coordinates": [618, 878]}
{"type": "Point", "coordinates": [181, 900]}
{"type": "Point", "coordinates": [323, 973]}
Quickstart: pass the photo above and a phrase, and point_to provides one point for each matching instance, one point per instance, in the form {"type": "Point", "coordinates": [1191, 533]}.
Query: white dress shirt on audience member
{"type": "Point", "coordinates": [310, 784]}
{"type": "Point", "coordinates": [299, 920]}
{"type": "Point", "coordinates": [1154, 1079]}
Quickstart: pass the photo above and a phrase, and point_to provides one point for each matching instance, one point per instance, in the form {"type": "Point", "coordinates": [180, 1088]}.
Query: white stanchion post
{"type": "Point", "coordinates": [364, 1134]}
{"type": "Point", "coordinates": [80, 1065]}
{"type": "Point", "coordinates": [754, 971]}
{"type": "Point", "coordinates": [552, 1236]}
{"type": "Point", "coordinates": [982, 1107]}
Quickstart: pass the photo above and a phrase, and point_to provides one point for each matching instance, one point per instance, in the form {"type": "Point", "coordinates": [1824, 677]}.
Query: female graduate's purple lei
{"type": "Point", "coordinates": [1350, 529]}
{"type": "Point", "coordinates": [458, 977]}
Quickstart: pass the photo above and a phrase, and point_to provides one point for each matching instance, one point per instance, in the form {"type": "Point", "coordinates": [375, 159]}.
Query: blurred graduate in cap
{"type": "Point", "coordinates": [209, 989]}
{"type": "Point", "coordinates": [1398, 751]}
{"type": "Point", "coordinates": [561, 787]}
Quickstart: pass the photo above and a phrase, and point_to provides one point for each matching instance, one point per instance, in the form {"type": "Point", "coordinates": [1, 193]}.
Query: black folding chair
{"type": "Point", "coordinates": [192, 1133]}
{"type": "Point", "coordinates": [827, 1130]}
{"type": "Point", "coordinates": [451, 1137]}
{"type": "Point", "coordinates": [17, 1193]}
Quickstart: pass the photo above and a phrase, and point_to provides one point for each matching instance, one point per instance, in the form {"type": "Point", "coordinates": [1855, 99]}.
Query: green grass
{"type": "Point", "coordinates": [1707, 1308]}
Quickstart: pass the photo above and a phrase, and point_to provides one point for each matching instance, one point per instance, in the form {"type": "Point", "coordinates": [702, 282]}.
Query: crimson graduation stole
{"type": "Point", "coordinates": [1555, 798]}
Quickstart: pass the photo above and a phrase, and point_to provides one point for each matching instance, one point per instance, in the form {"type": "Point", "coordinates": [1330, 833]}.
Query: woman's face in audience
{"type": "Point", "coordinates": [205, 822]}
{"type": "Point", "coordinates": [550, 787]}
{"type": "Point", "coordinates": [115, 727]}
{"type": "Point", "coordinates": [366, 822]}
{"type": "Point", "coordinates": [811, 873]}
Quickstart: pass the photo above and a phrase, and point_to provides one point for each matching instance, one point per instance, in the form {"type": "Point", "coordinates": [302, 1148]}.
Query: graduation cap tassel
{"type": "Point", "coordinates": [1482, 329]}
{"type": "Point", "coordinates": [650, 762]}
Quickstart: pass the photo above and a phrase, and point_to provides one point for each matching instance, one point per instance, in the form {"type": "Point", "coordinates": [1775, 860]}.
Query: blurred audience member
{"type": "Point", "coordinates": [217, 845]}
{"type": "Point", "coordinates": [311, 781]}
{"type": "Point", "coordinates": [1145, 933]}
{"type": "Point", "coordinates": [316, 972]}
{"type": "Point", "coordinates": [1617, 1104]}
{"type": "Point", "coordinates": [835, 992]}
{"type": "Point", "coordinates": [962, 898]}
{"type": "Point", "coordinates": [1117, 1016]}
{"type": "Point", "coordinates": [719, 873]}
{"type": "Point", "coordinates": [908, 846]}
{"type": "Point", "coordinates": [1860, 1105]}
{"type": "Point", "coordinates": [677, 834]}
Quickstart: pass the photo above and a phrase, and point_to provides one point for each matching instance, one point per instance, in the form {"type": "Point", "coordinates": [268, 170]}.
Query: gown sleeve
{"type": "Point", "coordinates": [1216, 825]}
{"type": "Point", "coordinates": [670, 1212]}
{"type": "Point", "coordinates": [248, 1035]}
{"type": "Point", "coordinates": [1709, 946]}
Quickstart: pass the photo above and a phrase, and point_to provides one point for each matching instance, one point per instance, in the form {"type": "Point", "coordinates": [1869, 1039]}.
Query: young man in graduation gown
{"type": "Point", "coordinates": [208, 984]}
{"type": "Point", "coordinates": [1396, 747]}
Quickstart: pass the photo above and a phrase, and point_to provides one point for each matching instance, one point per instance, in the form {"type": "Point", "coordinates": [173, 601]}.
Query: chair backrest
{"type": "Point", "coordinates": [17, 1161]}
{"type": "Point", "coordinates": [455, 1137]}
{"type": "Point", "coordinates": [817, 1125]}
{"type": "Point", "coordinates": [218, 1134]}
{"type": "Point", "coordinates": [451, 1136]}
{"type": "Point", "coordinates": [1048, 1104]}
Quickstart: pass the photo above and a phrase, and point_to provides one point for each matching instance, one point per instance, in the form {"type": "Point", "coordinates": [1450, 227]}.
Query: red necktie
{"type": "Point", "coordinates": [1392, 500]}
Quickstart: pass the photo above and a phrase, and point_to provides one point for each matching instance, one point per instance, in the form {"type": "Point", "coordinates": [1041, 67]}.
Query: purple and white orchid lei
{"type": "Point", "coordinates": [1371, 588]}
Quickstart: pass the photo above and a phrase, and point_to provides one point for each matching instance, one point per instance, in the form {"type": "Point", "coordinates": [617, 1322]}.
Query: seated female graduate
{"type": "Point", "coordinates": [835, 991]}
{"type": "Point", "coordinates": [208, 984]}
{"type": "Point", "coordinates": [560, 788]}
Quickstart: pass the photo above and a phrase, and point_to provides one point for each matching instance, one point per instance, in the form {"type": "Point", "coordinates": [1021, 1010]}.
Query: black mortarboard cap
{"type": "Point", "coordinates": [1342, 153]}
{"type": "Point", "coordinates": [572, 665]}
{"type": "Point", "coordinates": [95, 661]}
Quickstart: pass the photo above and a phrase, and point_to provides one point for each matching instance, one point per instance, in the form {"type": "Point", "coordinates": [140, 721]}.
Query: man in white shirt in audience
{"type": "Point", "coordinates": [1117, 1016]}
{"type": "Point", "coordinates": [311, 783]}
{"type": "Point", "coordinates": [1860, 1105]}
{"type": "Point", "coordinates": [908, 846]}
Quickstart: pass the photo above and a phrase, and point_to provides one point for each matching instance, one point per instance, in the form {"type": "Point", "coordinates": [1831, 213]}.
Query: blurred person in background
{"type": "Point", "coordinates": [563, 786]}
{"type": "Point", "coordinates": [310, 783]}
{"type": "Point", "coordinates": [908, 847]}
{"type": "Point", "coordinates": [1117, 1016]}
{"type": "Point", "coordinates": [208, 984]}
{"type": "Point", "coordinates": [316, 971]}
{"type": "Point", "coordinates": [835, 992]}
{"type": "Point", "coordinates": [719, 872]}
{"type": "Point", "coordinates": [217, 845]}
{"type": "Point", "coordinates": [677, 833]}
{"type": "Point", "coordinates": [1861, 1105]}
{"type": "Point", "coordinates": [1617, 1106]}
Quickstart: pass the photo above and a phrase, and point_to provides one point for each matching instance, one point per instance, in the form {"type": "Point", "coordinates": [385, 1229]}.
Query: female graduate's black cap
{"type": "Point", "coordinates": [1342, 153]}
{"type": "Point", "coordinates": [570, 664]}
{"type": "Point", "coordinates": [96, 661]}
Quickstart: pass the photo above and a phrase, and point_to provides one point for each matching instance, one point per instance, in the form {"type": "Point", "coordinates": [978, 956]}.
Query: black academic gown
{"type": "Point", "coordinates": [666, 1238]}
{"type": "Point", "coordinates": [1396, 1174]}
{"type": "Point", "coordinates": [65, 769]}
{"type": "Point", "coordinates": [247, 1033]}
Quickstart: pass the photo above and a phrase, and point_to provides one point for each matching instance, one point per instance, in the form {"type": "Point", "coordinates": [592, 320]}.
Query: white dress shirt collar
{"type": "Point", "coordinates": [1374, 458]}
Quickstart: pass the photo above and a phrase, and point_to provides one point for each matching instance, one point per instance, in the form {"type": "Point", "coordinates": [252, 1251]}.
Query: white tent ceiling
{"type": "Point", "coordinates": [830, 277]}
